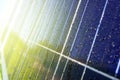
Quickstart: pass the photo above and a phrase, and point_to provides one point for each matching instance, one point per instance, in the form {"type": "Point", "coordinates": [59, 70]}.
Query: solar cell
{"type": "Point", "coordinates": [62, 40]}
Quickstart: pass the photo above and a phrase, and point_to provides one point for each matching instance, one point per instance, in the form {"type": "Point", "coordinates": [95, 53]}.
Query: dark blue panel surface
{"type": "Point", "coordinates": [73, 71]}
{"type": "Point", "coordinates": [91, 75]}
{"type": "Point", "coordinates": [87, 30]}
{"type": "Point", "coordinates": [106, 52]}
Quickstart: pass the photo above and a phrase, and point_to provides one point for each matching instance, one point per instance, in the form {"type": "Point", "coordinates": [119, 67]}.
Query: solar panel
{"type": "Point", "coordinates": [61, 40]}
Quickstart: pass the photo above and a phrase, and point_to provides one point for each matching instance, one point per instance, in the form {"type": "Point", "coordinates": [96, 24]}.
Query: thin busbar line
{"type": "Point", "coordinates": [47, 33]}
{"type": "Point", "coordinates": [19, 30]}
{"type": "Point", "coordinates": [34, 24]}
{"type": "Point", "coordinates": [118, 68]}
{"type": "Point", "coordinates": [90, 52]}
{"type": "Point", "coordinates": [43, 39]}
{"type": "Point", "coordinates": [25, 54]}
{"type": "Point", "coordinates": [59, 18]}
{"type": "Point", "coordinates": [62, 33]}
{"type": "Point", "coordinates": [44, 36]}
{"type": "Point", "coordinates": [27, 49]}
{"type": "Point", "coordinates": [22, 24]}
{"type": "Point", "coordinates": [75, 37]}
{"type": "Point", "coordinates": [46, 16]}
{"type": "Point", "coordinates": [66, 38]}
{"type": "Point", "coordinates": [67, 19]}
{"type": "Point", "coordinates": [75, 61]}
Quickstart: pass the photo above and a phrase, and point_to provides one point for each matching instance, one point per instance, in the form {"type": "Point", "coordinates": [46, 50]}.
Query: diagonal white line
{"type": "Point", "coordinates": [37, 74]}
{"type": "Point", "coordinates": [55, 8]}
{"type": "Point", "coordinates": [23, 61]}
{"type": "Point", "coordinates": [118, 68]}
{"type": "Point", "coordinates": [51, 50]}
{"type": "Point", "coordinates": [67, 19]}
{"type": "Point", "coordinates": [33, 28]}
{"type": "Point", "coordinates": [66, 38]}
{"type": "Point", "coordinates": [59, 18]}
{"type": "Point", "coordinates": [17, 64]}
{"type": "Point", "coordinates": [95, 38]}
{"type": "Point", "coordinates": [75, 61]}
{"type": "Point", "coordinates": [75, 37]}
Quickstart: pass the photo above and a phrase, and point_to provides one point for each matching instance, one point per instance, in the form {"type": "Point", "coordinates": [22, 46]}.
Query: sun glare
{"type": "Point", "coordinates": [6, 9]}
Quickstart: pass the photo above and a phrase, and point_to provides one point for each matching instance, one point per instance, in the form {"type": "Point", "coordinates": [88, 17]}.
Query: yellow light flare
{"type": "Point", "coordinates": [7, 7]}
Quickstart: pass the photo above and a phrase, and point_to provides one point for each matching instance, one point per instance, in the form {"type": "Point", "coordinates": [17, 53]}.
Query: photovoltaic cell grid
{"type": "Point", "coordinates": [65, 40]}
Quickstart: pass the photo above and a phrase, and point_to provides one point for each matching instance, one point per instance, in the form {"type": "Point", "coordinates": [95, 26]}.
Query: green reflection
{"type": "Point", "coordinates": [24, 61]}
